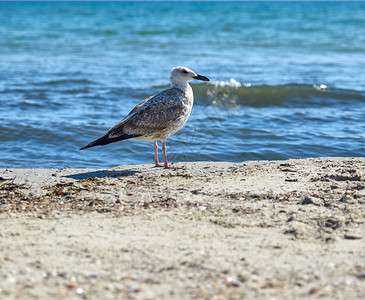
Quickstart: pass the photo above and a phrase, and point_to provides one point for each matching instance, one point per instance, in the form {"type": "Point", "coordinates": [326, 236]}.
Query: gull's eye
{"type": "Point", "coordinates": [185, 72]}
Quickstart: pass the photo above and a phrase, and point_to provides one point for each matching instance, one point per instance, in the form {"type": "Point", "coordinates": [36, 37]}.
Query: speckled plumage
{"type": "Point", "coordinates": [157, 117]}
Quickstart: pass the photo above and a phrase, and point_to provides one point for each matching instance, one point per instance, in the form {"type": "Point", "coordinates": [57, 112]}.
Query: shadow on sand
{"type": "Point", "coordinates": [101, 174]}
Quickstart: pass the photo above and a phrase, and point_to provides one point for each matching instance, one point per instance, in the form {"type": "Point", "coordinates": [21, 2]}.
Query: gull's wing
{"type": "Point", "coordinates": [152, 115]}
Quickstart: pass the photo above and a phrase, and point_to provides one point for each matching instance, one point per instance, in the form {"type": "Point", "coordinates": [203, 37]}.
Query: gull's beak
{"type": "Point", "coordinates": [200, 77]}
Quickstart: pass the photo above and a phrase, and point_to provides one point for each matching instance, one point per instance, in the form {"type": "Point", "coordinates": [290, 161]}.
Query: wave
{"type": "Point", "coordinates": [233, 93]}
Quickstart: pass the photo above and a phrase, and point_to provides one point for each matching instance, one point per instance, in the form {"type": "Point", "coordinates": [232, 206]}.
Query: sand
{"type": "Point", "coordinates": [254, 230]}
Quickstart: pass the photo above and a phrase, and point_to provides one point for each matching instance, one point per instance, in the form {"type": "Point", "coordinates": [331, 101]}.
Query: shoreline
{"type": "Point", "coordinates": [214, 230]}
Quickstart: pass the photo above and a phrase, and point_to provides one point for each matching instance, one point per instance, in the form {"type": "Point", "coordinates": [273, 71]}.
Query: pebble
{"type": "Point", "coordinates": [345, 198]}
{"type": "Point", "coordinates": [230, 282]}
{"type": "Point", "coordinates": [91, 275]}
{"type": "Point", "coordinates": [353, 236]}
{"type": "Point", "coordinates": [63, 275]}
{"type": "Point", "coordinates": [24, 270]}
{"type": "Point", "coordinates": [110, 287]}
{"type": "Point", "coordinates": [136, 278]}
{"type": "Point", "coordinates": [132, 288]}
{"type": "Point", "coordinates": [11, 280]}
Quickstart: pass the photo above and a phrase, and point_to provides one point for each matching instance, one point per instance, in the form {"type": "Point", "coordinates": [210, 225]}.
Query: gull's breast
{"type": "Point", "coordinates": [168, 118]}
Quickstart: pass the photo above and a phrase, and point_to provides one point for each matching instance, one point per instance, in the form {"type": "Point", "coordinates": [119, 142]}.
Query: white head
{"type": "Point", "coordinates": [184, 75]}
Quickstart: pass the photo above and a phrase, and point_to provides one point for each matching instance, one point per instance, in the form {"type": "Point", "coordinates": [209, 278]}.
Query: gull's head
{"type": "Point", "coordinates": [183, 74]}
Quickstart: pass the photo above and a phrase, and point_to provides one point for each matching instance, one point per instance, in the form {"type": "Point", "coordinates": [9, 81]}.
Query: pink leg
{"type": "Point", "coordinates": [166, 165]}
{"type": "Point", "coordinates": [155, 146]}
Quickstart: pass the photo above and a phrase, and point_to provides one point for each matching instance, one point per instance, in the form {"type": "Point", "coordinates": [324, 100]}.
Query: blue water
{"type": "Point", "coordinates": [288, 79]}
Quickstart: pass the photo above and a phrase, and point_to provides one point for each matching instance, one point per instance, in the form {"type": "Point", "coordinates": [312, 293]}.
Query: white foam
{"type": "Point", "coordinates": [321, 87]}
{"type": "Point", "coordinates": [231, 83]}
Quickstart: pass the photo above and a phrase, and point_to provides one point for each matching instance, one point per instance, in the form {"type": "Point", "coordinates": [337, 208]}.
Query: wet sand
{"type": "Point", "coordinates": [255, 230]}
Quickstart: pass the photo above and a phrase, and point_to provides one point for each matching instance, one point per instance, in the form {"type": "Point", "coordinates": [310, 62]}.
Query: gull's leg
{"type": "Point", "coordinates": [166, 165]}
{"type": "Point", "coordinates": [155, 146]}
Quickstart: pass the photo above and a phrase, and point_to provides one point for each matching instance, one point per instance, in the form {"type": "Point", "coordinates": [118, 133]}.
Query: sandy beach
{"type": "Point", "coordinates": [254, 230]}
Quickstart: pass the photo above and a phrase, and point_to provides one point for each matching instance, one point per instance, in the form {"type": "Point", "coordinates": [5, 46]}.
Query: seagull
{"type": "Point", "coordinates": [157, 117]}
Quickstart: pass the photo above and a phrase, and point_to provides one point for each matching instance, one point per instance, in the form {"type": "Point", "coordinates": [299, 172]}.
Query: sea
{"type": "Point", "coordinates": [287, 79]}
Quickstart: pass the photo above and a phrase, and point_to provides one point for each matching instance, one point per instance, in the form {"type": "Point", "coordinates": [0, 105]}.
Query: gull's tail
{"type": "Point", "coordinates": [104, 140]}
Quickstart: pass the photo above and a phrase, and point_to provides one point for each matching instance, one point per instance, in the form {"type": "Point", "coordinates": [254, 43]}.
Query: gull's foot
{"type": "Point", "coordinates": [159, 165]}
{"type": "Point", "coordinates": [168, 166]}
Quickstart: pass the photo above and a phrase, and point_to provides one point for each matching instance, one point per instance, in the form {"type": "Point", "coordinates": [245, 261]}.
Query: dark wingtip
{"type": "Point", "coordinates": [104, 140]}
{"type": "Point", "coordinates": [85, 147]}
{"type": "Point", "coordinates": [94, 143]}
